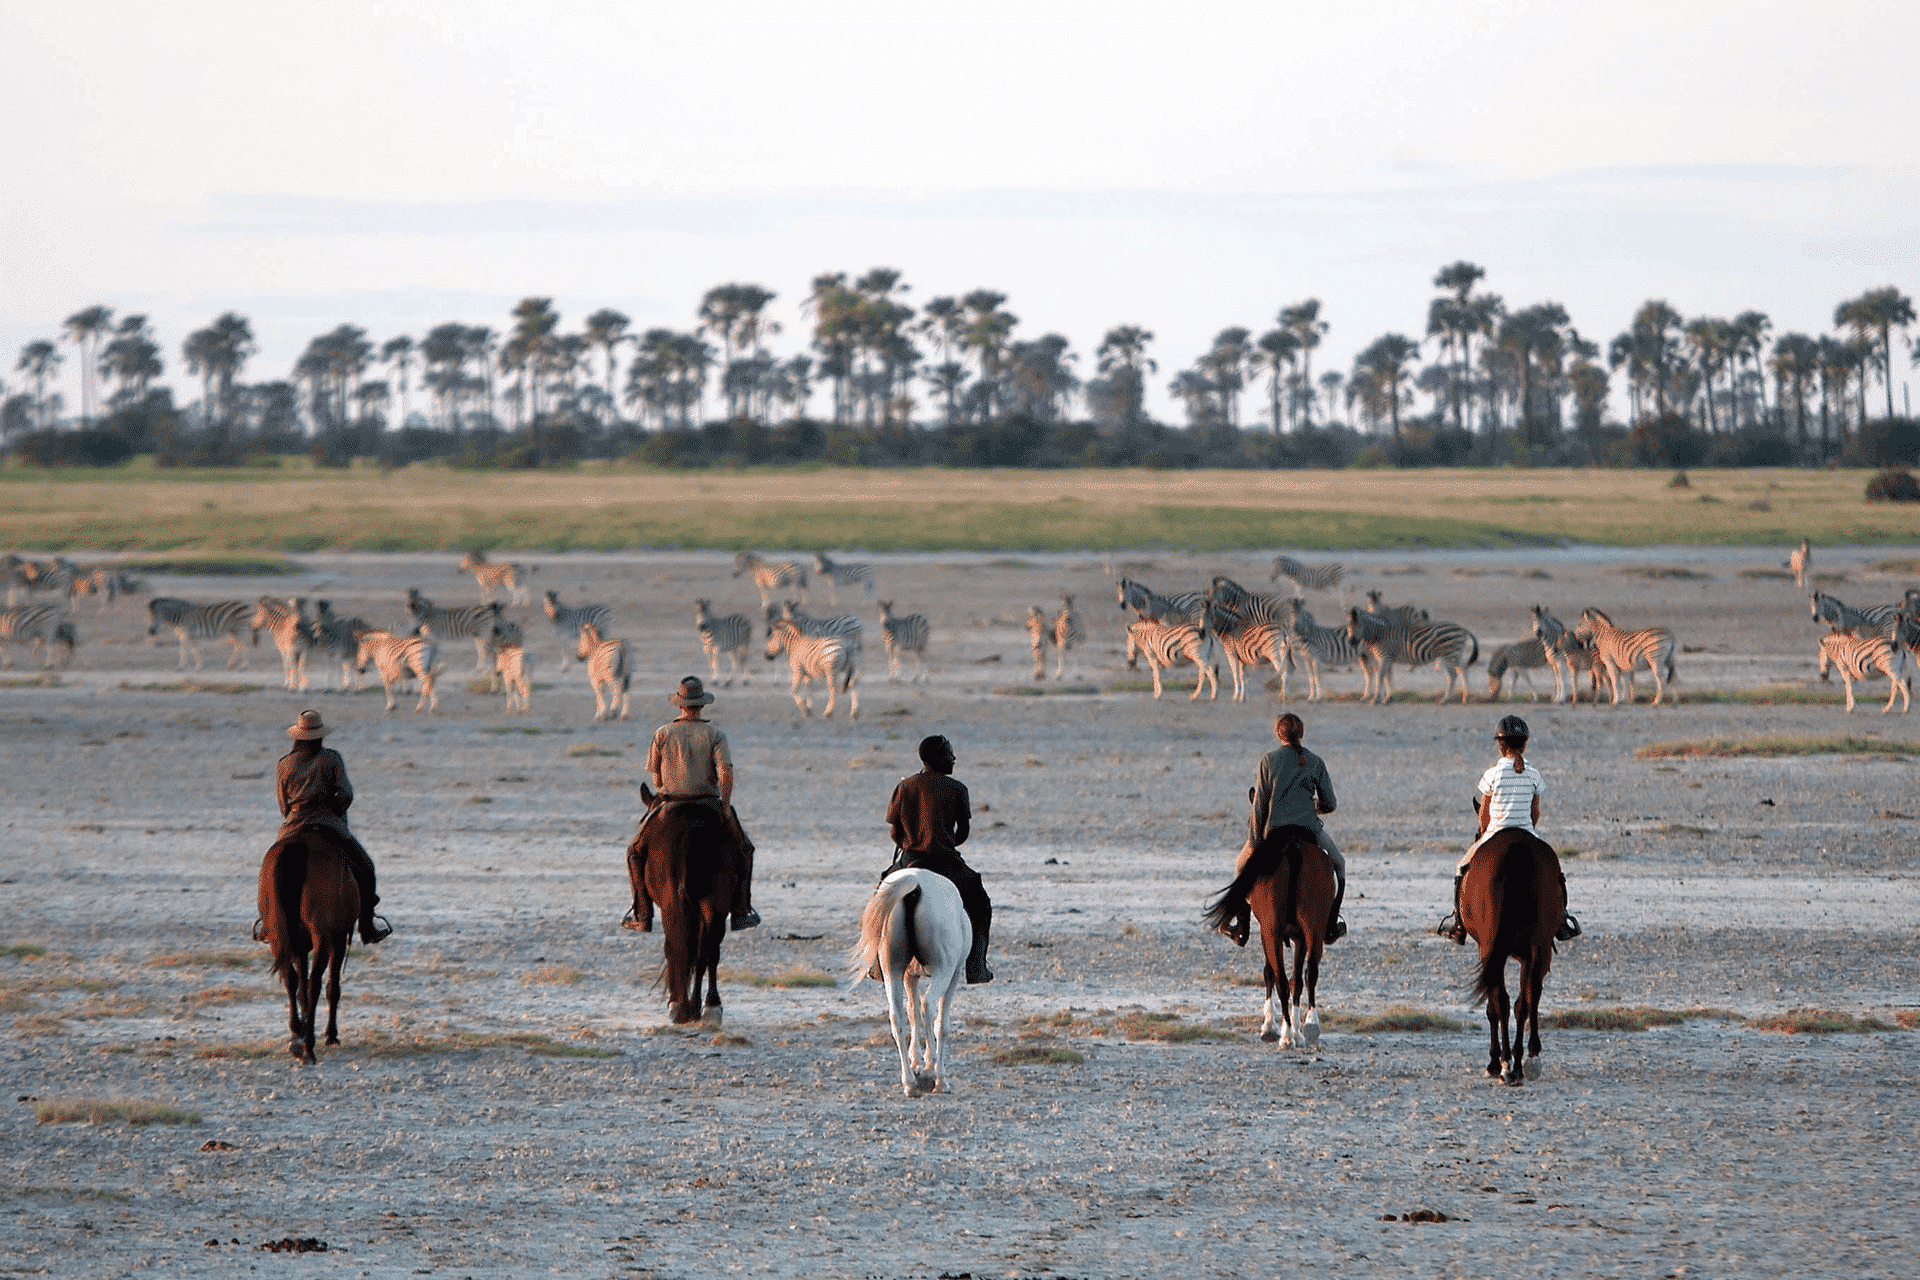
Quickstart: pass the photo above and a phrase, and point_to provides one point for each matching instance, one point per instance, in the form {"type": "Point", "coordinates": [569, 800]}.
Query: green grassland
{"type": "Point", "coordinates": [295, 508]}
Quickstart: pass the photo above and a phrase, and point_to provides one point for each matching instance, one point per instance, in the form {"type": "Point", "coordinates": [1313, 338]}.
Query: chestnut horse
{"type": "Point", "coordinates": [689, 853]}
{"type": "Point", "coordinates": [308, 906]}
{"type": "Point", "coordinates": [1288, 886]}
{"type": "Point", "coordinates": [1511, 902]}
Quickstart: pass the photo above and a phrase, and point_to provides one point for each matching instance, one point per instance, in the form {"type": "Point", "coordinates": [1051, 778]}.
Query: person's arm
{"type": "Point", "coordinates": [280, 786]}
{"type": "Point", "coordinates": [342, 789]}
{"type": "Point", "coordinates": [894, 825]}
{"type": "Point", "coordinates": [1486, 812]}
{"type": "Point", "coordinates": [653, 759]}
{"type": "Point", "coordinates": [963, 825]}
{"type": "Point", "coordinates": [1324, 801]}
{"type": "Point", "coordinates": [723, 768]}
{"type": "Point", "coordinates": [1262, 802]}
{"type": "Point", "coordinates": [1536, 811]}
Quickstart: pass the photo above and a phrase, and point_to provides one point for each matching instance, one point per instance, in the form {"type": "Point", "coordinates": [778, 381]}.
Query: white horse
{"type": "Point", "coordinates": [916, 930]}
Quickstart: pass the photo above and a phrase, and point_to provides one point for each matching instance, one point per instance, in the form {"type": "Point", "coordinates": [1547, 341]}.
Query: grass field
{"type": "Point", "coordinates": [295, 508]}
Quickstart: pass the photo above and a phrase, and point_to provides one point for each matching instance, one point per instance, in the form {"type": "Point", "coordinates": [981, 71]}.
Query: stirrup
{"type": "Point", "coordinates": [259, 930]}
{"type": "Point", "coordinates": [381, 930]}
{"type": "Point", "coordinates": [1569, 929]}
{"type": "Point", "coordinates": [743, 919]}
{"type": "Point", "coordinates": [1236, 931]}
{"type": "Point", "coordinates": [1337, 930]}
{"type": "Point", "coordinates": [632, 921]}
{"type": "Point", "coordinates": [985, 975]}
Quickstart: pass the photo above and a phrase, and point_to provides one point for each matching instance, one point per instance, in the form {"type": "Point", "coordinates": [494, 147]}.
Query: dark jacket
{"type": "Point", "coordinates": [1285, 792]}
{"type": "Point", "coordinates": [314, 789]}
{"type": "Point", "coordinates": [930, 814]}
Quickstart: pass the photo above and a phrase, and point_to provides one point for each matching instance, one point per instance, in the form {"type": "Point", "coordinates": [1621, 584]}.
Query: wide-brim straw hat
{"type": "Point", "coordinates": [690, 693]}
{"type": "Point", "coordinates": [307, 727]}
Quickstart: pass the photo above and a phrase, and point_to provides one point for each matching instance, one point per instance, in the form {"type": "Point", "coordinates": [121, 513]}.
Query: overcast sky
{"type": "Point", "coordinates": [1184, 168]}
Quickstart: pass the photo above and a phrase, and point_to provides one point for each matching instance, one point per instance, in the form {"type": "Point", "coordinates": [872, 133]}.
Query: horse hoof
{"type": "Point", "coordinates": [1515, 1080]}
{"type": "Point", "coordinates": [1493, 1071]}
{"type": "Point", "coordinates": [711, 1017]}
{"type": "Point", "coordinates": [332, 1041]}
{"type": "Point", "coordinates": [1270, 1035]}
{"type": "Point", "coordinates": [927, 1084]}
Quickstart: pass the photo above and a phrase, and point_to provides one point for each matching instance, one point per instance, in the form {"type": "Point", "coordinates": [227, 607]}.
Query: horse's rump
{"type": "Point", "coordinates": [306, 889]}
{"type": "Point", "coordinates": [1282, 849]}
{"type": "Point", "coordinates": [906, 892]}
{"type": "Point", "coordinates": [1512, 901]}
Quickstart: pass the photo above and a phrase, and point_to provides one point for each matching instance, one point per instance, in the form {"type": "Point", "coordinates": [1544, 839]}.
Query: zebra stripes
{"type": "Point", "coordinates": [770, 577]}
{"type": "Point", "coordinates": [904, 633]}
{"type": "Point", "coordinates": [839, 575]}
{"type": "Point", "coordinates": [1324, 577]}
{"type": "Point", "coordinates": [192, 623]}
{"type": "Point", "coordinates": [1166, 645]}
{"type": "Point", "coordinates": [1392, 636]}
{"type": "Point", "coordinates": [1621, 651]}
{"type": "Point", "coordinates": [106, 584]}
{"type": "Point", "coordinates": [568, 621]}
{"type": "Point", "coordinates": [399, 657]}
{"type": "Point", "coordinates": [1066, 634]}
{"type": "Point", "coordinates": [1859, 657]}
{"type": "Point", "coordinates": [468, 622]}
{"type": "Point", "coordinates": [731, 635]}
{"type": "Point", "coordinates": [1187, 607]}
{"type": "Point", "coordinates": [1395, 612]}
{"type": "Point", "coordinates": [514, 666]}
{"type": "Point", "coordinates": [45, 625]}
{"type": "Point", "coordinates": [609, 671]}
{"type": "Point", "coordinates": [826, 658]}
{"type": "Point", "coordinates": [1315, 646]}
{"type": "Point", "coordinates": [495, 577]}
{"type": "Point", "coordinates": [338, 638]}
{"type": "Point", "coordinates": [1250, 605]}
{"type": "Point", "coordinates": [1040, 635]}
{"type": "Point", "coordinates": [286, 621]}
{"type": "Point", "coordinates": [1520, 658]}
{"type": "Point", "coordinates": [1872, 619]}
{"type": "Point", "coordinates": [1247, 644]}
{"type": "Point", "coordinates": [846, 627]}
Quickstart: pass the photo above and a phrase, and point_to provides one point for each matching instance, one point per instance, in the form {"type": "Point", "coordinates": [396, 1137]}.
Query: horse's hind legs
{"type": "Point", "coordinates": [294, 983]}
{"type": "Point", "coordinates": [333, 992]}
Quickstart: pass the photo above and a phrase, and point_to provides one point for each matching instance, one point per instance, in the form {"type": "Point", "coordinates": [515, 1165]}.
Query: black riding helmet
{"type": "Point", "coordinates": [1511, 729]}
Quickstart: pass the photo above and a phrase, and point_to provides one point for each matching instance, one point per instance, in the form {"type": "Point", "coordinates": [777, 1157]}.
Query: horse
{"type": "Point", "coordinates": [688, 851]}
{"type": "Point", "coordinates": [1511, 902]}
{"type": "Point", "coordinates": [309, 903]}
{"type": "Point", "coordinates": [1288, 886]}
{"type": "Point", "coordinates": [916, 930]}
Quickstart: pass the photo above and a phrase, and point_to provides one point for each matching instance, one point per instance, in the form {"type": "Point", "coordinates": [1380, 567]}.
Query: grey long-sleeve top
{"type": "Point", "coordinates": [1285, 793]}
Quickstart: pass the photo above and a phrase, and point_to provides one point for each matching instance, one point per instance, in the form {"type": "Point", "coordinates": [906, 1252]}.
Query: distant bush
{"type": "Point", "coordinates": [73, 448]}
{"type": "Point", "coordinates": [1893, 486]}
{"type": "Point", "coordinates": [1886, 442]}
{"type": "Point", "coordinates": [1668, 441]}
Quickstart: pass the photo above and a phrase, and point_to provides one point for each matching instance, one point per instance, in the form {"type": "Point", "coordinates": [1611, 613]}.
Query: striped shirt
{"type": "Point", "coordinates": [1512, 795]}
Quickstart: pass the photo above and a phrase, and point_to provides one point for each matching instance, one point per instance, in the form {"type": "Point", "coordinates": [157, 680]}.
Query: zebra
{"type": "Point", "coordinates": [494, 577]}
{"type": "Point", "coordinates": [1066, 634]}
{"type": "Point", "coordinates": [567, 622]}
{"type": "Point", "coordinates": [43, 624]}
{"type": "Point", "coordinates": [1800, 562]}
{"type": "Point", "coordinates": [1168, 644]}
{"type": "Point", "coordinates": [339, 639]}
{"type": "Point", "coordinates": [397, 658]}
{"type": "Point", "coordinates": [1186, 607]}
{"type": "Point", "coordinates": [193, 623]}
{"type": "Point", "coordinates": [1393, 636]}
{"type": "Point", "coordinates": [463, 622]}
{"type": "Point", "coordinates": [837, 574]}
{"type": "Point", "coordinates": [286, 621]}
{"type": "Point", "coordinates": [1395, 612]}
{"type": "Point", "coordinates": [1520, 657]}
{"type": "Point", "coordinates": [19, 575]}
{"type": "Point", "coordinates": [770, 577]}
{"type": "Point", "coordinates": [1247, 643]}
{"type": "Point", "coordinates": [1242, 603]}
{"type": "Point", "coordinates": [106, 584]}
{"type": "Point", "coordinates": [1621, 651]}
{"type": "Point", "coordinates": [514, 666]}
{"type": "Point", "coordinates": [609, 671]}
{"type": "Point", "coordinates": [900, 634]}
{"type": "Point", "coordinates": [731, 635]}
{"type": "Point", "coordinates": [1872, 619]}
{"type": "Point", "coordinates": [846, 627]}
{"type": "Point", "coordinates": [1323, 577]}
{"type": "Point", "coordinates": [1315, 646]}
{"type": "Point", "coordinates": [1040, 635]}
{"type": "Point", "coordinates": [826, 658]}
{"type": "Point", "coordinates": [1859, 656]}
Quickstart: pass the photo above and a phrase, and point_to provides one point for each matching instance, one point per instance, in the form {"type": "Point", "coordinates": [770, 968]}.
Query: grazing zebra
{"type": "Point", "coordinates": [400, 657]}
{"type": "Point", "coordinates": [827, 658]}
{"type": "Point", "coordinates": [907, 633]}
{"type": "Point", "coordinates": [1040, 635]}
{"type": "Point", "coordinates": [18, 575]}
{"type": "Point", "coordinates": [608, 670]}
{"type": "Point", "coordinates": [1315, 646]}
{"type": "Point", "coordinates": [848, 574]}
{"type": "Point", "coordinates": [1168, 644]}
{"type": "Point", "coordinates": [1800, 562]}
{"type": "Point", "coordinates": [465, 622]}
{"type": "Point", "coordinates": [1320, 577]}
{"type": "Point", "coordinates": [731, 635]}
{"type": "Point", "coordinates": [1521, 657]}
{"type": "Point", "coordinates": [514, 666]}
{"type": "Point", "coordinates": [193, 623]}
{"type": "Point", "coordinates": [1392, 636]}
{"type": "Point", "coordinates": [770, 577]}
{"type": "Point", "coordinates": [846, 627]}
{"type": "Point", "coordinates": [1872, 619]}
{"type": "Point", "coordinates": [1066, 634]}
{"type": "Point", "coordinates": [567, 622]}
{"type": "Point", "coordinates": [1622, 651]}
{"type": "Point", "coordinates": [1187, 607]}
{"type": "Point", "coordinates": [43, 624]}
{"type": "Point", "coordinates": [1860, 656]}
{"type": "Point", "coordinates": [286, 621]}
{"type": "Point", "coordinates": [339, 639]}
{"type": "Point", "coordinates": [1242, 603]}
{"type": "Point", "coordinates": [495, 577]}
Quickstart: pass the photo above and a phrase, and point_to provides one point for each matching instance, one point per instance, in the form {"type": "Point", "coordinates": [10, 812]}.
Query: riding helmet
{"type": "Point", "coordinates": [1512, 728]}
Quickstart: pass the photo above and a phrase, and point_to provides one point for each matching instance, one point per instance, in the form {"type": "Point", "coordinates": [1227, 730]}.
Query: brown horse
{"type": "Point", "coordinates": [1288, 886]}
{"type": "Point", "coordinates": [1511, 902]}
{"type": "Point", "coordinates": [309, 903]}
{"type": "Point", "coordinates": [689, 853]}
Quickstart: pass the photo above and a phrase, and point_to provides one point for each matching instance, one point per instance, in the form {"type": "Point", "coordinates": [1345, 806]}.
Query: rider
{"type": "Point", "coordinates": [314, 792]}
{"type": "Point", "coordinates": [930, 815]}
{"type": "Point", "coordinates": [1291, 788]}
{"type": "Point", "coordinates": [688, 760]}
{"type": "Point", "coordinates": [1510, 794]}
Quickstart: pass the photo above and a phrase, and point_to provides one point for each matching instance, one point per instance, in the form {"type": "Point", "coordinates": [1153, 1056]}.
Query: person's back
{"type": "Point", "coordinates": [930, 817]}
{"type": "Point", "coordinates": [311, 786]}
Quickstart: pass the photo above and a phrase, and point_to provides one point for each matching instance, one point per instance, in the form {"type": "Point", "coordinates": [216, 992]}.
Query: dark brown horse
{"type": "Point", "coordinates": [1288, 886]}
{"type": "Point", "coordinates": [1511, 902]}
{"type": "Point", "coordinates": [309, 903]}
{"type": "Point", "coordinates": [690, 856]}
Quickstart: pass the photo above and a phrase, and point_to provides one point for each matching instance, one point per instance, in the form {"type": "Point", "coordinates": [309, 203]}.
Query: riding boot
{"type": "Point", "coordinates": [744, 916]}
{"type": "Point", "coordinates": [1336, 927]}
{"type": "Point", "coordinates": [1569, 926]}
{"type": "Point", "coordinates": [980, 916]}
{"type": "Point", "coordinates": [1452, 927]}
{"type": "Point", "coordinates": [371, 930]}
{"type": "Point", "coordinates": [639, 917]}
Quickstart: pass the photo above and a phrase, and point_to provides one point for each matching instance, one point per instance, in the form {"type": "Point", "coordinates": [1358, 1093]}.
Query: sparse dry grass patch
{"type": "Point", "coordinates": [192, 686]}
{"type": "Point", "coordinates": [1164, 1028]}
{"type": "Point", "coordinates": [1658, 572]}
{"type": "Point", "coordinates": [1820, 1022]}
{"type": "Point", "coordinates": [1613, 1018]}
{"type": "Point", "coordinates": [796, 976]}
{"type": "Point", "coordinates": [22, 951]}
{"type": "Point", "coordinates": [14, 1000]}
{"type": "Point", "coordinates": [1775, 745]}
{"type": "Point", "coordinates": [110, 1110]}
{"type": "Point", "coordinates": [580, 750]}
{"type": "Point", "coordinates": [47, 681]}
{"type": "Point", "coordinates": [243, 1052]}
{"type": "Point", "coordinates": [39, 1024]}
{"type": "Point", "coordinates": [204, 960]}
{"type": "Point", "coordinates": [1397, 1017]}
{"type": "Point", "coordinates": [1772, 695]}
{"type": "Point", "coordinates": [553, 975]}
{"type": "Point", "coordinates": [382, 1045]}
{"type": "Point", "coordinates": [1037, 1055]}
{"type": "Point", "coordinates": [225, 993]}
{"type": "Point", "coordinates": [1908, 1018]}
{"type": "Point", "coordinates": [97, 1007]}
{"type": "Point", "coordinates": [1038, 691]}
{"type": "Point", "coordinates": [214, 566]}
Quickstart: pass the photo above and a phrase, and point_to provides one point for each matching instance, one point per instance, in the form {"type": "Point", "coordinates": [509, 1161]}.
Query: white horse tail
{"type": "Point", "coordinates": [894, 894]}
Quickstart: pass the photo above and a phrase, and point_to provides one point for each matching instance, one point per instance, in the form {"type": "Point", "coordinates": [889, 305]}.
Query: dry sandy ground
{"type": "Point", "coordinates": [450, 1136]}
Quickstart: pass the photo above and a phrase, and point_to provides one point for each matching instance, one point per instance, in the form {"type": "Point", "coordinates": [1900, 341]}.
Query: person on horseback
{"type": "Point", "coordinates": [930, 816]}
{"type": "Point", "coordinates": [314, 792]}
{"type": "Point", "coordinates": [688, 759]}
{"type": "Point", "coordinates": [1510, 794]}
{"type": "Point", "coordinates": [1291, 788]}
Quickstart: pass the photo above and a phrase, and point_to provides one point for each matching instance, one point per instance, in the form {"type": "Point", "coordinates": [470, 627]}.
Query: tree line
{"type": "Point", "coordinates": [878, 379]}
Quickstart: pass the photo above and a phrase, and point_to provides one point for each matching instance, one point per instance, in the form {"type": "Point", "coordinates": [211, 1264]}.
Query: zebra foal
{"type": "Point", "coordinates": [45, 626]}
{"type": "Point", "coordinates": [397, 658]}
{"type": "Point", "coordinates": [1619, 651]}
{"type": "Point", "coordinates": [731, 635]}
{"type": "Point", "coordinates": [494, 577]}
{"type": "Point", "coordinates": [1066, 635]}
{"type": "Point", "coordinates": [770, 576]}
{"type": "Point", "coordinates": [840, 574]}
{"type": "Point", "coordinates": [609, 671]}
{"type": "Point", "coordinates": [904, 633]}
{"type": "Point", "coordinates": [1040, 635]}
{"type": "Point", "coordinates": [1859, 657]}
{"type": "Point", "coordinates": [1800, 562]}
{"type": "Point", "coordinates": [514, 666]}
{"type": "Point", "coordinates": [826, 658]}
{"type": "Point", "coordinates": [192, 623]}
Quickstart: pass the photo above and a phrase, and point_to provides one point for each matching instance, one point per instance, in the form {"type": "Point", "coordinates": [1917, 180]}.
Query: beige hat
{"type": "Point", "coordinates": [691, 693]}
{"type": "Point", "coordinates": [307, 727]}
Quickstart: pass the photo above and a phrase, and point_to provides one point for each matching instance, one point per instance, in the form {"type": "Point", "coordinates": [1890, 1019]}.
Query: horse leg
{"type": "Point", "coordinates": [1536, 982]}
{"type": "Point", "coordinates": [1267, 1032]}
{"type": "Point", "coordinates": [294, 980]}
{"type": "Point", "coordinates": [1495, 1027]}
{"type": "Point", "coordinates": [709, 968]}
{"type": "Point", "coordinates": [899, 1011]}
{"type": "Point", "coordinates": [1310, 1028]}
{"type": "Point", "coordinates": [1522, 1007]}
{"type": "Point", "coordinates": [310, 978]}
{"type": "Point", "coordinates": [336, 955]}
{"type": "Point", "coordinates": [1297, 991]}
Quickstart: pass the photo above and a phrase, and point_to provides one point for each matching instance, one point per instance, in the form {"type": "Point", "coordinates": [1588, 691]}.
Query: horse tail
{"type": "Point", "coordinates": [892, 894]}
{"type": "Point", "coordinates": [1266, 859]}
{"type": "Point", "coordinates": [283, 877]}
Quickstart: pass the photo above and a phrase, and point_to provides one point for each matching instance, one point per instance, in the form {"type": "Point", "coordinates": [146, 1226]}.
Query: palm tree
{"type": "Point", "coordinates": [1711, 342]}
{"type": "Point", "coordinates": [1274, 355]}
{"type": "Point", "coordinates": [1796, 357]}
{"type": "Point", "coordinates": [132, 359]}
{"type": "Point", "coordinates": [398, 352]}
{"type": "Point", "coordinates": [1122, 359]}
{"type": "Point", "coordinates": [85, 328]}
{"type": "Point", "coordinates": [1195, 390]}
{"type": "Point", "coordinates": [1877, 312]}
{"type": "Point", "coordinates": [1532, 335]}
{"type": "Point", "coordinates": [40, 360]}
{"type": "Point", "coordinates": [1840, 363]}
{"type": "Point", "coordinates": [1384, 363]}
{"type": "Point", "coordinates": [1650, 348]}
{"type": "Point", "coordinates": [534, 322]}
{"type": "Point", "coordinates": [1226, 363]}
{"type": "Point", "coordinates": [1330, 383]}
{"type": "Point", "coordinates": [988, 327]}
{"type": "Point", "coordinates": [1750, 330]}
{"type": "Point", "coordinates": [1459, 316]}
{"type": "Point", "coordinates": [1303, 321]}
{"type": "Point", "coordinates": [834, 327]}
{"type": "Point", "coordinates": [444, 353]}
{"type": "Point", "coordinates": [607, 329]}
{"type": "Point", "coordinates": [218, 353]}
{"type": "Point", "coordinates": [945, 322]}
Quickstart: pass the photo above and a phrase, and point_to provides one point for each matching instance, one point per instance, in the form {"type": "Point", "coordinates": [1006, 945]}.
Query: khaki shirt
{"type": "Point", "coordinates": [688, 757]}
{"type": "Point", "coordinates": [315, 788]}
{"type": "Point", "coordinates": [929, 813]}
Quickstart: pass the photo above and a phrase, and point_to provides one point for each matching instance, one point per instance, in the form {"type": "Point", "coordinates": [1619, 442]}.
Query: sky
{"type": "Point", "coordinates": [1180, 167]}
